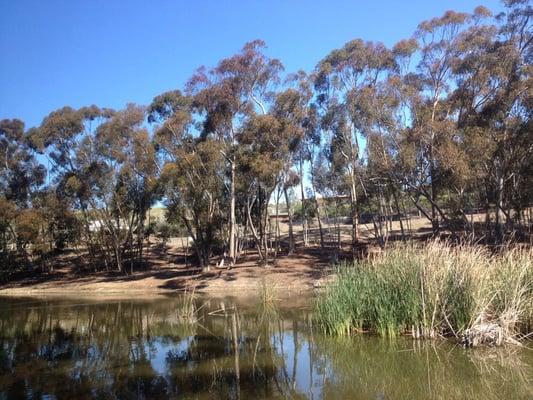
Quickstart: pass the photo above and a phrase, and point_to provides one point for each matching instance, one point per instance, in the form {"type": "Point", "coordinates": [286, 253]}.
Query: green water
{"type": "Point", "coordinates": [150, 349]}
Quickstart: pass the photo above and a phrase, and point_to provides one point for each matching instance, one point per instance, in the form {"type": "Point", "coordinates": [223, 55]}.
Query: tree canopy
{"type": "Point", "coordinates": [439, 124]}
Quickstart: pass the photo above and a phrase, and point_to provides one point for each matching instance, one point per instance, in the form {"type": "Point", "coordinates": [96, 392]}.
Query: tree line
{"type": "Point", "coordinates": [439, 123]}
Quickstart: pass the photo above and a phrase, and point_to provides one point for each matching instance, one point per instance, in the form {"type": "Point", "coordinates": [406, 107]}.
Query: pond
{"type": "Point", "coordinates": [171, 347]}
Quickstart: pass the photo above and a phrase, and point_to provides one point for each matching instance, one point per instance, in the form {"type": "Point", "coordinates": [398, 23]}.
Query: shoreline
{"type": "Point", "coordinates": [284, 296]}
{"type": "Point", "coordinates": [296, 273]}
{"type": "Point", "coordinates": [242, 291]}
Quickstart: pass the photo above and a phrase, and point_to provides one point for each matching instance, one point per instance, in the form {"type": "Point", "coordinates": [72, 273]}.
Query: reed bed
{"type": "Point", "coordinates": [434, 290]}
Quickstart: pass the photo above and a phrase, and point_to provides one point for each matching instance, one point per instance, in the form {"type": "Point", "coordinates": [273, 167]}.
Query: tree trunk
{"type": "Point", "coordinates": [277, 234]}
{"type": "Point", "coordinates": [118, 257]}
{"type": "Point", "coordinates": [318, 210]}
{"type": "Point", "coordinates": [354, 213]}
{"type": "Point", "coordinates": [289, 212]}
{"type": "Point", "coordinates": [232, 221]}
{"type": "Point", "coordinates": [304, 207]}
{"type": "Point", "coordinates": [257, 239]}
{"type": "Point", "coordinates": [434, 215]}
{"type": "Point", "coordinates": [397, 205]}
{"type": "Point", "coordinates": [320, 231]}
{"type": "Point", "coordinates": [337, 225]}
{"type": "Point", "coordinates": [499, 207]}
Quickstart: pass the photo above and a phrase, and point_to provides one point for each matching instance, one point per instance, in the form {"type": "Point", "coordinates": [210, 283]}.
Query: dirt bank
{"type": "Point", "coordinates": [168, 273]}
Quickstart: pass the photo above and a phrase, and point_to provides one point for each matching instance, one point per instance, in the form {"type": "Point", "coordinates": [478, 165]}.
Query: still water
{"type": "Point", "coordinates": [225, 349]}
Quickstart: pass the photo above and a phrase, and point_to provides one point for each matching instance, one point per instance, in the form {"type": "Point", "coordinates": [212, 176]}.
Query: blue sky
{"type": "Point", "coordinates": [110, 52]}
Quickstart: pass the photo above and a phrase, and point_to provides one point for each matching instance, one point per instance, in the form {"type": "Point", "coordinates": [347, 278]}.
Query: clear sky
{"type": "Point", "coordinates": [110, 52]}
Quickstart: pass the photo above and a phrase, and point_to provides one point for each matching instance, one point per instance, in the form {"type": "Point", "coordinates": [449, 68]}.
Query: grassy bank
{"type": "Point", "coordinates": [430, 291]}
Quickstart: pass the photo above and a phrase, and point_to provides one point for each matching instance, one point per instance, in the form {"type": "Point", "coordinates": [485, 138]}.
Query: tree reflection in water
{"type": "Point", "coordinates": [148, 350]}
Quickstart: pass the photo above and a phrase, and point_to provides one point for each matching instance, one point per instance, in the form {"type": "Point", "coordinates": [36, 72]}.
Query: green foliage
{"type": "Point", "coordinates": [165, 231]}
{"type": "Point", "coordinates": [429, 291]}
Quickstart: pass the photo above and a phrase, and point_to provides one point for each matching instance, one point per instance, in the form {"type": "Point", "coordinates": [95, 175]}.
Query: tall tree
{"type": "Point", "coordinates": [192, 176]}
{"type": "Point", "coordinates": [66, 138]}
{"type": "Point", "coordinates": [239, 86]}
{"type": "Point", "coordinates": [20, 172]}
{"type": "Point", "coordinates": [493, 95]}
{"type": "Point", "coordinates": [21, 175]}
{"type": "Point", "coordinates": [291, 109]}
{"type": "Point", "coordinates": [433, 128]}
{"type": "Point", "coordinates": [345, 78]}
{"type": "Point", "coordinates": [265, 145]}
{"type": "Point", "coordinates": [122, 180]}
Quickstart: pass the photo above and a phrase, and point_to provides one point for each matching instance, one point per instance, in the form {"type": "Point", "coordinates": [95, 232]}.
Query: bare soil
{"type": "Point", "coordinates": [169, 271]}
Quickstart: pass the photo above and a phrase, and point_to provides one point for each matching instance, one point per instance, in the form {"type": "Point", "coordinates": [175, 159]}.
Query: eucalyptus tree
{"type": "Point", "coordinates": [66, 138]}
{"type": "Point", "coordinates": [291, 109]}
{"type": "Point", "coordinates": [225, 96]}
{"type": "Point", "coordinates": [8, 213]}
{"type": "Point", "coordinates": [493, 96]}
{"type": "Point", "coordinates": [294, 105]}
{"type": "Point", "coordinates": [331, 189]}
{"type": "Point", "coordinates": [20, 172]}
{"type": "Point", "coordinates": [386, 116]}
{"type": "Point", "coordinates": [433, 130]}
{"type": "Point", "coordinates": [21, 175]}
{"type": "Point", "coordinates": [449, 134]}
{"type": "Point", "coordinates": [103, 160]}
{"type": "Point", "coordinates": [123, 181]}
{"type": "Point", "coordinates": [62, 225]}
{"type": "Point", "coordinates": [345, 78]}
{"type": "Point", "coordinates": [192, 174]}
{"type": "Point", "coordinates": [193, 190]}
{"type": "Point", "coordinates": [265, 142]}
{"type": "Point", "coordinates": [381, 188]}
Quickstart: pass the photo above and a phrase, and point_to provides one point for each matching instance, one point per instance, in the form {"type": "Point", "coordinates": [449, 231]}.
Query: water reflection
{"type": "Point", "coordinates": [222, 349]}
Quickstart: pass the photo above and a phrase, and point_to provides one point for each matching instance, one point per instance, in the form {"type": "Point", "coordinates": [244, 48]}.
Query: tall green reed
{"type": "Point", "coordinates": [427, 291]}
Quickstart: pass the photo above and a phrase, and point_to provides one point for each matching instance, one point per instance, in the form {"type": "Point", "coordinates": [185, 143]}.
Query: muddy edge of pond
{"type": "Point", "coordinates": [300, 296]}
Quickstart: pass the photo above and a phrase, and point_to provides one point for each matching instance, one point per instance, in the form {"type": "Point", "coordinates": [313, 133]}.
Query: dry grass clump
{"type": "Point", "coordinates": [187, 310]}
{"type": "Point", "coordinates": [438, 289]}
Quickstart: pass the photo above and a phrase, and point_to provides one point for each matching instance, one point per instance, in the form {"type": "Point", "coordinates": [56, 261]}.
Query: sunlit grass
{"type": "Point", "coordinates": [430, 291]}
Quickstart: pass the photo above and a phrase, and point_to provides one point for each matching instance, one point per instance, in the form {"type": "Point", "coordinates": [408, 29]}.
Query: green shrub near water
{"type": "Point", "coordinates": [437, 289]}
